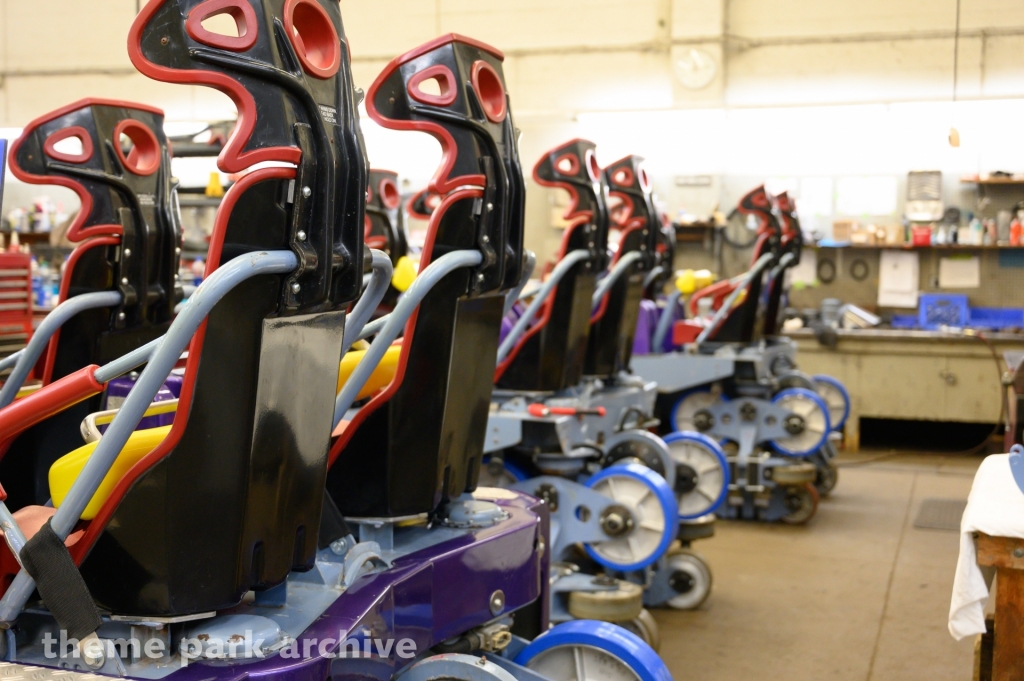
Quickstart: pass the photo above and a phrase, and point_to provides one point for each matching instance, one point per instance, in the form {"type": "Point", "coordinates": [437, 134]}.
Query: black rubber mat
{"type": "Point", "coordinates": [940, 514]}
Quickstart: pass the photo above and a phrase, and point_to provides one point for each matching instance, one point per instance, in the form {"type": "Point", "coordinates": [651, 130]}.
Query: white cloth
{"type": "Point", "coordinates": [995, 507]}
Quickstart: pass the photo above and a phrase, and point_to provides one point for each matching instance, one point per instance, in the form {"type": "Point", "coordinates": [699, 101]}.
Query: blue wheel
{"type": "Point", "coordinates": [586, 650]}
{"type": "Point", "coordinates": [702, 473]}
{"type": "Point", "coordinates": [654, 517]}
{"type": "Point", "coordinates": [836, 397]}
{"type": "Point", "coordinates": [814, 422]}
{"type": "Point", "coordinates": [689, 404]}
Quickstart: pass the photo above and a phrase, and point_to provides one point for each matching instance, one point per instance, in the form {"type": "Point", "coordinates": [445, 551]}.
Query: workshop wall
{"type": "Point", "coordinates": [868, 82]}
{"type": "Point", "coordinates": [1002, 279]}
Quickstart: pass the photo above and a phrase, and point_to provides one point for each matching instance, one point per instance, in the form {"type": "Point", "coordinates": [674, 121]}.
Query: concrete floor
{"type": "Point", "coordinates": [857, 594]}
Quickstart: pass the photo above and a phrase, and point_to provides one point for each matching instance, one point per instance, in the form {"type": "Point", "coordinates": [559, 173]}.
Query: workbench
{"type": "Point", "coordinates": [913, 375]}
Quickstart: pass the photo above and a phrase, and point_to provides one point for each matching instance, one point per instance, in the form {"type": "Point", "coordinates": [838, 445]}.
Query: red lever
{"type": "Point", "coordinates": [539, 410]}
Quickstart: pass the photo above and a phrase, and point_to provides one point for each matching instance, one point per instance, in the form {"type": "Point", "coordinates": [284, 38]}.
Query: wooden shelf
{"type": "Point", "coordinates": [993, 181]}
{"type": "Point", "coordinates": [938, 247]}
{"type": "Point", "coordinates": [28, 237]}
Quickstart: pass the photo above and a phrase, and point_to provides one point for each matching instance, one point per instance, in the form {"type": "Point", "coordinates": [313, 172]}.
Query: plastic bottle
{"type": "Point", "coordinates": [1015, 232]}
{"type": "Point", "coordinates": [976, 230]}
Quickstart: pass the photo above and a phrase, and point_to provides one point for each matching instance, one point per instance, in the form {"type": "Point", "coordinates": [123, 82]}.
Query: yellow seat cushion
{"type": "Point", "coordinates": [381, 376]}
{"type": "Point", "coordinates": [65, 470]}
{"type": "Point", "coordinates": [404, 273]}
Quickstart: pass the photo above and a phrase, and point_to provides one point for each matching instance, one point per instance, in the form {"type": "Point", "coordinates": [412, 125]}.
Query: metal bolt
{"type": "Point", "coordinates": [300, 235]}
{"type": "Point", "coordinates": [127, 252]}
{"type": "Point", "coordinates": [1018, 553]}
{"type": "Point", "coordinates": [540, 546]}
{"type": "Point", "coordinates": [490, 206]}
{"type": "Point", "coordinates": [703, 420]}
{"type": "Point", "coordinates": [339, 547]}
{"type": "Point", "coordinates": [616, 521]}
{"type": "Point", "coordinates": [497, 602]}
{"type": "Point", "coordinates": [177, 251]}
{"type": "Point", "coordinates": [120, 315]}
{"type": "Point", "coordinates": [92, 651]}
{"type": "Point", "coordinates": [486, 239]}
{"type": "Point", "coordinates": [480, 277]}
{"type": "Point", "coordinates": [296, 287]}
{"type": "Point", "coordinates": [307, 192]}
{"type": "Point", "coordinates": [124, 280]}
{"type": "Point", "coordinates": [794, 424]}
{"type": "Point", "coordinates": [681, 582]}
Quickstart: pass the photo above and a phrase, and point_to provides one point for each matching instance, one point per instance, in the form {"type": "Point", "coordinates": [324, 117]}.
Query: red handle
{"type": "Point", "coordinates": [539, 410]}
{"type": "Point", "coordinates": [47, 401]}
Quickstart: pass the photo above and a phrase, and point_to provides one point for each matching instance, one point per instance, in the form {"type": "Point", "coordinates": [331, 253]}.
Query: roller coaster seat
{"type": "Point", "coordinates": [419, 441]}
{"type": "Point", "coordinates": [741, 323]}
{"type": "Point", "coordinates": [613, 324]}
{"type": "Point", "coordinates": [128, 236]}
{"type": "Point", "coordinates": [550, 356]}
{"type": "Point", "coordinates": [236, 486]}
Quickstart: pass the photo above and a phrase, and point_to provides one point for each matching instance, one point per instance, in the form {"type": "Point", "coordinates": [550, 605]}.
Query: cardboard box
{"type": "Point", "coordinates": [842, 230]}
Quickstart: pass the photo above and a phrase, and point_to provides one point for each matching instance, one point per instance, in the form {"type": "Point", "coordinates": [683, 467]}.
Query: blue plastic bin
{"type": "Point", "coordinates": [995, 317]}
{"type": "Point", "coordinates": [903, 321]}
{"type": "Point", "coordinates": [942, 309]}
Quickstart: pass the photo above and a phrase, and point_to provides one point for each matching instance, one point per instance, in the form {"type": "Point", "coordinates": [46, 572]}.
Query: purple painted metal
{"type": "Point", "coordinates": [427, 596]}
{"type": "Point", "coordinates": [509, 320]}
{"type": "Point", "coordinates": [119, 388]}
{"type": "Point", "coordinates": [646, 322]}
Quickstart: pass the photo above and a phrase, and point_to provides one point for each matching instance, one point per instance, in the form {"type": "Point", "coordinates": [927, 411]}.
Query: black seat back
{"type": "Point", "coordinates": [550, 355]}
{"type": "Point", "coordinates": [791, 241]}
{"type": "Point", "coordinates": [385, 223]}
{"type": "Point", "coordinates": [129, 238]}
{"type": "Point", "coordinates": [420, 440]}
{"type": "Point", "coordinates": [743, 323]}
{"type": "Point", "coordinates": [614, 324]}
{"type": "Point", "coordinates": [231, 500]}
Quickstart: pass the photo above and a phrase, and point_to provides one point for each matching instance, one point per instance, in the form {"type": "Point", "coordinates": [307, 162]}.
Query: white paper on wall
{"type": "Point", "coordinates": [961, 271]}
{"type": "Point", "coordinates": [898, 277]}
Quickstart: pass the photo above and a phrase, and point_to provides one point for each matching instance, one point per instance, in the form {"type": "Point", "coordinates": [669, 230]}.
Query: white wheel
{"type": "Point", "coordinates": [702, 473]}
{"type": "Point", "coordinates": [639, 446]}
{"type": "Point", "coordinates": [811, 423]}
{"type": "Point", "coordinates": [690, 576]}
{"type": "Point", "coordinates": [644, 626]}
{"type": "Point", "coordinates": [620, 605]}
{"type": "Point", "coordinates": [642, 521]}
{"type": "Point", "coordinates": [688, 406]}
{"type": "Point", "coordinates": [836, 397]}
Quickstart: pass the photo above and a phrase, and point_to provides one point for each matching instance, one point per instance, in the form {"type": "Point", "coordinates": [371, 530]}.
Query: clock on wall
{"type": "Point", "coordinates": [696, 68]}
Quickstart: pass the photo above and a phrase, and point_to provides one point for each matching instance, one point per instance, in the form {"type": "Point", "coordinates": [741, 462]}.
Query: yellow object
{"type": "Point", "coordinates": [65, 470]}
{"type": "Point", "coordinates": [404, 274]}
{"type": "Point", "coordinates": [381, 376]}
{"type": "Point", "coordinates": [26, 390]}
{"type": "Point", "coordinates": [214, 189]}
{"type": "Point", "coordinates": [704, 278]}
{"type": "Point", "coordinates": [690, 281]}
{"type": "Point", "coordinates": [686, 282]}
